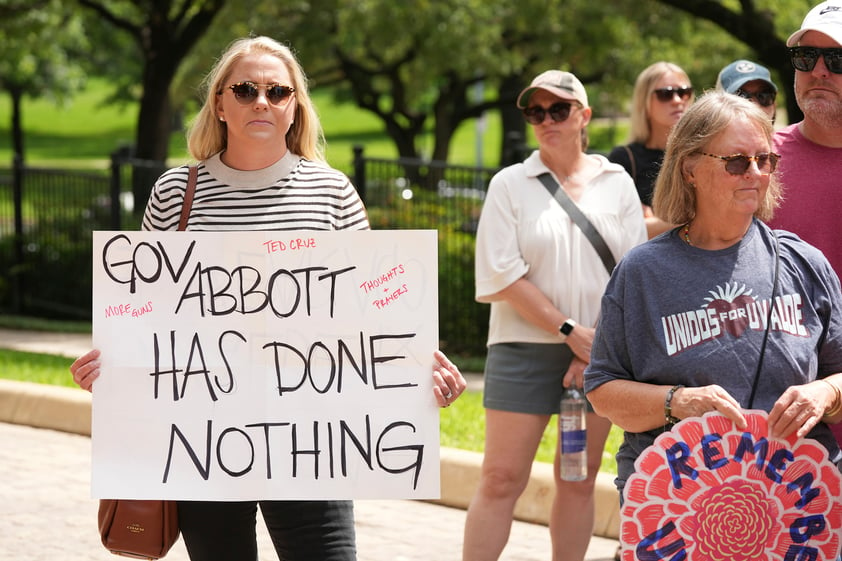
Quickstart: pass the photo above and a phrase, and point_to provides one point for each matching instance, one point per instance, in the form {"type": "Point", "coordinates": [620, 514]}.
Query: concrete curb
{"type": "Point", "coordinates": [45, 406]}
{"type": "Point", "coordinates": [69, 410]}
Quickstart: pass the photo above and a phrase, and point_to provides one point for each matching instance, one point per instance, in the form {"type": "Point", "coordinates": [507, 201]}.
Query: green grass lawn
{"type": "Point", "coordinates": [34, 367]}
{"type": "Point", "coordinates": [82, 132]}
{"type": "Point", "coordinates": [463, 426]}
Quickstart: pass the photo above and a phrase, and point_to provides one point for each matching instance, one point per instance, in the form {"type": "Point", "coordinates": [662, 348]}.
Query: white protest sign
{"type": "Point", "coordinates": [265, 365]}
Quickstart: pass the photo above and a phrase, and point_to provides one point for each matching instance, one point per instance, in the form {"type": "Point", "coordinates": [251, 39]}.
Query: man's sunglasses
{"type": "Point", "coordinates": [246, 92]}
{"type": "Point", "coordinates": [559, 112]}
{"type": "Point", "coordinates": [763, 98]}
{"type": "Point", "coordinates": [738, 164]}
{"type": "Point", "coordinates": [665, 95]}
{"type": "Point", "coordinates": [804, 58]}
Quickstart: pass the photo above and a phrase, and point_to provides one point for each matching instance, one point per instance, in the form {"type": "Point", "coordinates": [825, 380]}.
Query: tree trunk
{"type": "Point", "coordinates": [404, 139]}
{"type": "Point", "coordinates": [787, 74]}
{"type": "Point", "coordinates": [154, 126]}
{"type": "Point", "coordinates": [17, 126]}
{"type": "Point", "coordinates": [164, 42]}
{"type": "Point", "coordinates": [513, 129]}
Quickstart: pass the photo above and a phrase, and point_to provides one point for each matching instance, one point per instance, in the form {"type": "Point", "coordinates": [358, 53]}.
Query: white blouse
{"type": "Point", "coordinates": [524, 232]}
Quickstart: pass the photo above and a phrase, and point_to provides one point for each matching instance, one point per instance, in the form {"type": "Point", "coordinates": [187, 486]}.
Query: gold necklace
{"type": "Point", "coordinates": [686, 232]}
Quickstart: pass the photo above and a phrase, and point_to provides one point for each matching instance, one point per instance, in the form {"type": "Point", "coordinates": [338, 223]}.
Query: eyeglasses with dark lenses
{"type": "Point", "coordinates": [738, 164]}
{"type": "Point", "coordinates": [559, 112]}
{"type": "Point", "coordinates": [246, 92]}
{"type": "Point", "coordinates": [665, 95]}
{"type": "Point", "coordinates": [804, 58]}
{"type": "Point", "coordinates": [763, 98]}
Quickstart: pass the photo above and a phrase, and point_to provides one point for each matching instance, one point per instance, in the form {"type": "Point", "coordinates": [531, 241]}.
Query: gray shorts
{"type": "Point", "coordinates": [526, 377]}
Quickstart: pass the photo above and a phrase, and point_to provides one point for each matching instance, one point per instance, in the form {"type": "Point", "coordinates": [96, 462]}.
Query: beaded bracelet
{"type": "Point", "coordinates": [836, 404]}
{"type": "Point", "coordinates": [668, 405]}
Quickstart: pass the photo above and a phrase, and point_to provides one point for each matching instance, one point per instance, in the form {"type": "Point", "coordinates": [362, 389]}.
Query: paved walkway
{"type": "Point", "coordinates": [46, 512]}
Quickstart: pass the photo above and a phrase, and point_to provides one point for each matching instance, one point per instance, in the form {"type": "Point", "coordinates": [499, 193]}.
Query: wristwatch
{"type": "Point", "coordinates": [566, 329]}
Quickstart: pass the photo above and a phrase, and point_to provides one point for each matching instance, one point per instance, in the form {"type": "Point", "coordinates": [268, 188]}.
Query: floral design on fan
{"type": "Point", "coordinates": [739, 509]}
{"type": "Point", "coordinates": [707, 491]}
{"type": "Point", "coordinates": [731, 304]}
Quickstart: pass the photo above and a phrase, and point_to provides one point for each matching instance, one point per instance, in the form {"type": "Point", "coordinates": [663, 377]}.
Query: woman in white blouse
{"type": "Point", "coordinates": [544, 281]}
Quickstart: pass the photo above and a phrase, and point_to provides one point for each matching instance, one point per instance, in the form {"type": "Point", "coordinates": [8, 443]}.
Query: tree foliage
{"type": "Point", "coordinates": [761, 26]}
{"type": "Point", "coordinates": [415, 69]}
{"type": "Point", "coordinates": [163, 31]}
{"type": "Point", "coordinates": [31, 66]}
{"type": "Point", "coordinates": [416, 66]}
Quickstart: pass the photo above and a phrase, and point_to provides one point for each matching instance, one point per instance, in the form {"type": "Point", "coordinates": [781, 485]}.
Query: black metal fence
{"type": "Point", "coordinates": [47, 217]}
{"type": "Point", "coordinates": [46, 220]}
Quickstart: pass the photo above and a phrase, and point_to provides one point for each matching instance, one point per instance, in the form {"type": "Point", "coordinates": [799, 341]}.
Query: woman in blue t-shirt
{"type": "Point", "coordinates": [720, 314]}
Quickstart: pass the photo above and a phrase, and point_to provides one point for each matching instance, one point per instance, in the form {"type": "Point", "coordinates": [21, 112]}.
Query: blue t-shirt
{"type": "Point", "coordinates": [677, 314]}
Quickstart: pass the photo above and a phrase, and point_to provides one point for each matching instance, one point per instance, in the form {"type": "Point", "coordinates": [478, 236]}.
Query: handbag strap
{"type": "Point", "coordinates": [581, 221]}
{"type": "Point", "coordinates": [192, 174]}
{"type": "Point", "coordinates": [631, 159]}
{"type": "Point", "coordinates": [768, 321]}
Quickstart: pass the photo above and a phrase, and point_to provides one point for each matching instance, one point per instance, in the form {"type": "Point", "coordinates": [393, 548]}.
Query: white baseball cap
{"type": "Point", "coordinates": [825, 18]}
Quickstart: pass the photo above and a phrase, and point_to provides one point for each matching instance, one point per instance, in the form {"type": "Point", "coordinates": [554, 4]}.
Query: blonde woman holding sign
{"type": "Point", "coordinates": [259, 145]}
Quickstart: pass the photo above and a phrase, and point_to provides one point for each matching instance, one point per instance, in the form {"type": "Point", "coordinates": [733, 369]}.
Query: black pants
{"type": "Point", "coordinates": [300, 530]}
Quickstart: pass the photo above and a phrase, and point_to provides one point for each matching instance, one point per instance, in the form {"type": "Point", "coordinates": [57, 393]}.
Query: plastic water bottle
{"type": "Point", "coordinates": [572, 435]}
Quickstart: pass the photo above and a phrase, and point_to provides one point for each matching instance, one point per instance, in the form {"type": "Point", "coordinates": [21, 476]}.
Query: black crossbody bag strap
{"type": "Point", "coordinates": [631, 159]}
{"type": "Point", "coordinates": [581, 221]}
{"type": "Point", "coordinates": [768, 321]}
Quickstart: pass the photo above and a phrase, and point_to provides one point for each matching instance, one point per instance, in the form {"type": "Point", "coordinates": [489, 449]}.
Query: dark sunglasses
{"type": "Point", "coordinates": [559, 112]}
{"type": "Point", "coordinates": [246, 92]}
{"type": "Point", "coordinates": [804, 58]}
{"type": "Point", "coordinates": [738, 164]}
{"type": "Point", "coordinates": [764, 98]}
{"type": "Point", "coordinates": [667, 94]}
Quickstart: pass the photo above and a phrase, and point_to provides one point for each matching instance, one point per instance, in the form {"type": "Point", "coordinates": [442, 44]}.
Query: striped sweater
{"type": "Point", "coordinates": [291, 194]}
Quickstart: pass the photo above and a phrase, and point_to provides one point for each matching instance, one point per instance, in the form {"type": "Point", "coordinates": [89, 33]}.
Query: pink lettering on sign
{"type": "Point", "coordinates": [390, 297]}
{"type": "Point", "coordinates": [302, 243]}
{"type": "Point", "coordinates": [706, 491]}
{"type": "Point", "coordinates": [384, 288]}
{"type": "Point", "coordinates": [275, 246]}
{"type": "Point", "coordinates": [383, 278]}
{"type": "Point", "coordinates": [122, 310]}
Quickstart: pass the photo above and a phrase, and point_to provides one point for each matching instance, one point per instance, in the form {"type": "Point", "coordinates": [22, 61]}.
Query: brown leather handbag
{"type": "Point", "coordinates": [143, 529]}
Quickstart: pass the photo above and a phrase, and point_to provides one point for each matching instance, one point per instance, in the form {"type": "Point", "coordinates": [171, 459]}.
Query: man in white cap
{"type": "Point", "coordinates": [811, 164]}
{"type": "Point", "coordinates": [751, 81]}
